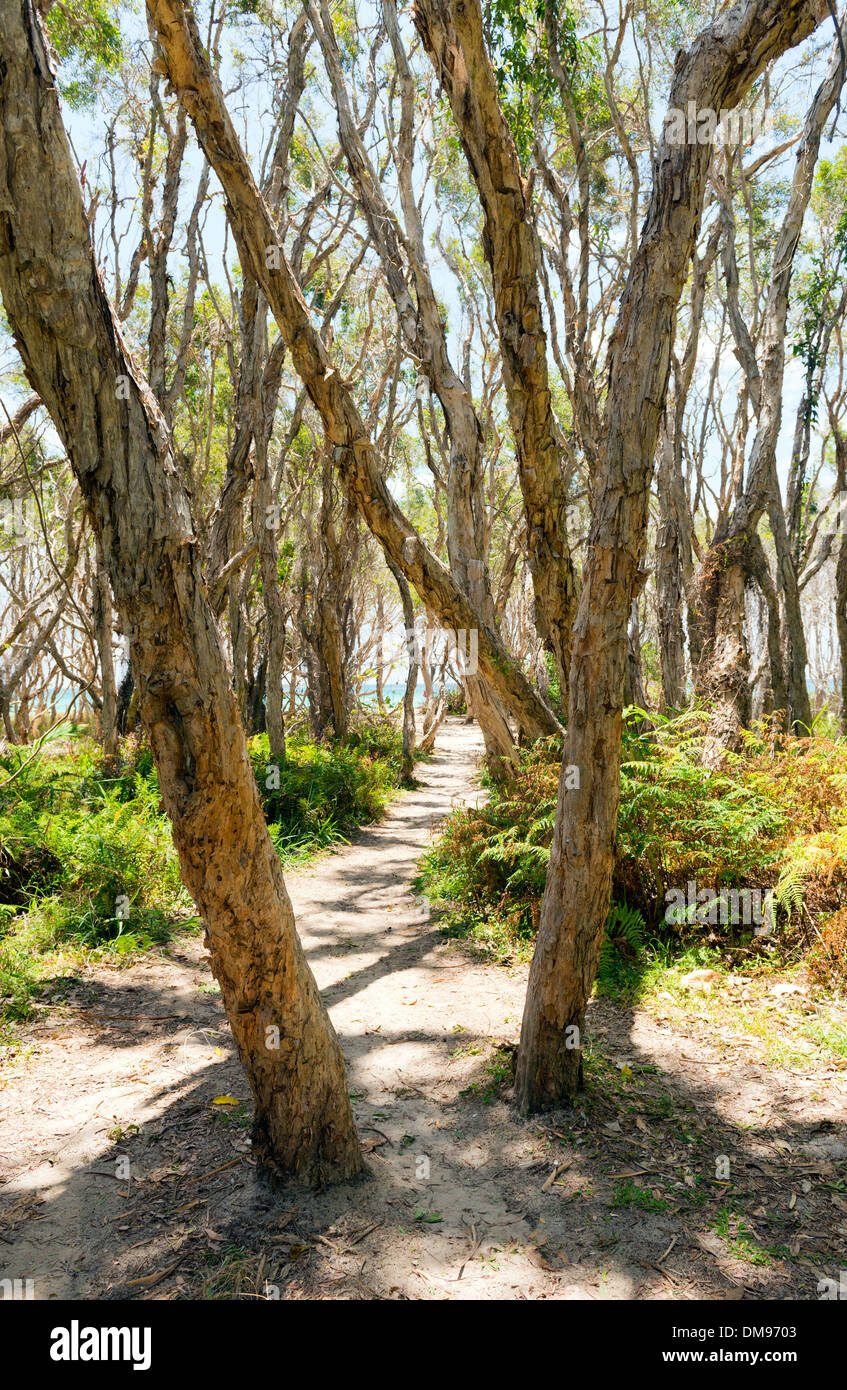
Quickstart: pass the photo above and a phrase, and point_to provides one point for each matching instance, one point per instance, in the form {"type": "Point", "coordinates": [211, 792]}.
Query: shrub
{"type": "Point", "coordinates": [774, 818]}
{"type": "Point", "coordinates": [325, 790]}
{"type": "Point", "coordinates": [86, 863]}
{"type": "Point", "coordinates": [454, 700]}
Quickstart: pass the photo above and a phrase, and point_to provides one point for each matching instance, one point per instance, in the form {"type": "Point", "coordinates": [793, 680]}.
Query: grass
{"type": "Point", "coordinates": [322, 791]}
{"type": "Point", "coordinates": [740, 1240]}
{"type": "Point", "coordinates": [629, 1195]}
{"type": "Point", "coordinates": [498, 1073]}
{"type": "Point", "coordinates": [87, 867]}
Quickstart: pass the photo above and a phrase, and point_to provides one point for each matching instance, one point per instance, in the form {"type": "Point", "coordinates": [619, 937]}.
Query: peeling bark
{"type": "Point", "coordinates": [716, 72]}
{"type": "Point", "coordinates": [121, 453]}
{"type": "Point", "coordinates": [353, 452]}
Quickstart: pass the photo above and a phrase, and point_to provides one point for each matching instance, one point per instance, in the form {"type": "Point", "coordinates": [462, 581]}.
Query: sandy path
{"type": "Point", "coordinates": [395, 991]}
{"type": "Point", "coordinates": [459, 1201]}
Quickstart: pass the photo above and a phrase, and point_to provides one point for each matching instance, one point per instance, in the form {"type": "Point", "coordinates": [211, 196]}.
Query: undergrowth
{"type": "Point", "coordinates": [773, 820]}
{"type": "Point", "coordinates": [87, 862]}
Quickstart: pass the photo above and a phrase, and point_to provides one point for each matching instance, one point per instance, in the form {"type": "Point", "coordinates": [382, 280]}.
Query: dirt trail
{"type": "Point", "coordinates": [462, 1199]}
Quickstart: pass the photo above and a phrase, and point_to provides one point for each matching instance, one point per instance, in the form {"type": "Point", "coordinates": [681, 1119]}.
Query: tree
{"type": "Point", "coordinates": [453, 37]}
{"type": "Point", "coordinates": [715, 73]}
{"type": "Point", "coordinates": [121, 452]}
{"type": "Point", "coordinates": [353, 451]}
{"type": "Point", "coordinates": [723, 665]}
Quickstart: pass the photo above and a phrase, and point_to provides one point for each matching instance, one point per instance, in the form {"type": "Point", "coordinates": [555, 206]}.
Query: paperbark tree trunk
{"type": "Point", "coordinates": [121, 453]}
{"type": "Point", "coordinates": [452, 35]}
{"type": "Point", "coordinates": [379, 654]}
{"type": "Point", "coordinates": [271, 593]}
{"type": "Point", "coordinates": [722, 676]}
{"type": "Point", "coordinates": [353, 452]}
{"type": "Point", "coordinates": [412, 676]}
{"type": "Point", "coordinates": [674, 550]}
{"type": "Point", "coordinates": [755, 564]}
{"type": "Point", "coordinates": [670, 587]}
{"type": "Point", "coordinates": [101, 613]}
{"type": "Point", "coordinates": [840, 441]}
{"type": "Point", "coordinates": [716, 72]}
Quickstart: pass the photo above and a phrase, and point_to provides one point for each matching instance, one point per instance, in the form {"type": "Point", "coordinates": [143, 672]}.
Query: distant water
{"type": "Point", "coordinates": [395, 692]}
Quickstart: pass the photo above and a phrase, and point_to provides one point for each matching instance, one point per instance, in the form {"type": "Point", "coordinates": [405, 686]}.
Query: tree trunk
{"type": "Point", "coordinates": [265, 386]}
{"type": "Point", "coordinates": [722, 679]}
{"type": "Point", "coordinates": [411, 678]}
{"type": "Point", "coordinates": [430, 700]}
{"type": "Point", "coordinates": [379, 655]}
{"type": "Point", "coordinates": [452, 34]}
{"type": "Point", "coordinates": [121, 453]}
{"type": "Point", "coordinates": [353, 452]}
{"type": "Point", "coordinates": [274, 607]}
{"type": "Point", "coordinates": [756, 565]}
{"type": "Point", "coordinates": [421, 325]}
{"type": "Point", "coordinates": [716, 72]}
{"type": "Point", "coordinates": [669, 586]}
{"type": "Point", "coordinates": [794, 655]}
{"type": "Point", "coordinates": [634, 691]}
{"type": "Point", "coordinates": [674, 558]}
{"type": "Point", "coordinates": [840, 441]}
{"type": "Point", "coordinates": [102, 619]}
{"type": "Point", "coordinates": [720, 583]}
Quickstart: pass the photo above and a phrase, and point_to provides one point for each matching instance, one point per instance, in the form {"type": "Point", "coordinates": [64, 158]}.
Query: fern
{"type": "Point", "coordinates": [623, 934]}
{"type": "Point", "coordinates": [788, 893]}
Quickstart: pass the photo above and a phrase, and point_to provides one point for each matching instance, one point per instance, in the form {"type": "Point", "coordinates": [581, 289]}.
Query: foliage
{"type": "Point", "coordinates": [326, 789]}
{"type": "Point", "coordinates": [87, 41]}
{"type": "Point", "coordinates": [821, 286]}
{"type": "Point", "coordinates": [517, 40]}
{"type": "Point", "coordinates": [827, 961]}
{"type": "Point", "coordinates": [775, 818]}
{"type": "Point", "coordinates": [454, 701]}
{"type": "Point", "coordinates": [628, 1194]}
{"type": "Point", "coordinates": [87, 862]}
